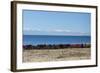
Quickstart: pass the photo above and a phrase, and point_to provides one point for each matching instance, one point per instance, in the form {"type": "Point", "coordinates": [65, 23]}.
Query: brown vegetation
{"type": "Point", "coordinates": [59, 46]}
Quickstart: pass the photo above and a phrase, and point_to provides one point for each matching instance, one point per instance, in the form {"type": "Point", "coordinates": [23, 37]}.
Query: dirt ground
{"type": "Point", "coordinates": [36, 55]}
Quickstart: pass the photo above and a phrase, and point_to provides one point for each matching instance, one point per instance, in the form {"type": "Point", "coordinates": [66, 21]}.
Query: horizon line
{"type": "Point", "coordinates": [56, 35]}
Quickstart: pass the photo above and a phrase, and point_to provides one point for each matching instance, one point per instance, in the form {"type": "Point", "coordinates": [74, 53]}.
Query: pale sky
{"type": "Point", "coordinates": [56, 23]}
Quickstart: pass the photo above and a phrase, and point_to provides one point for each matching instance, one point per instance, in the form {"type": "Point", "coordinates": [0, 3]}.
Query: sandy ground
{"type": "Point", "coordinates": [56, 54]}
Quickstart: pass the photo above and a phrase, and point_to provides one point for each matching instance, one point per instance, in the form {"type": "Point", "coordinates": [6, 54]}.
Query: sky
{"type": "Point", "coordinates": [56, 23]}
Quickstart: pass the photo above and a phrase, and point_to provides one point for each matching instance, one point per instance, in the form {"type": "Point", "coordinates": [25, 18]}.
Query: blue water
{"type": "Point", "coordinates": [46, 39]}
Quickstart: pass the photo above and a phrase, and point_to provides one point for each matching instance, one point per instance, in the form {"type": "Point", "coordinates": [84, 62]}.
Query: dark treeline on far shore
{"type": "Point", "coordinates": [54, 46]}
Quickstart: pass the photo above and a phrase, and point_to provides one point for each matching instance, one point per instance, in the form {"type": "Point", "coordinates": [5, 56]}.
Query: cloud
{"type": "Point", "coordinates": [52, 30]}
{"type": "Point", "coordinates": [60, 30]}
{"type": "Point", "coordinates": [31, 29]}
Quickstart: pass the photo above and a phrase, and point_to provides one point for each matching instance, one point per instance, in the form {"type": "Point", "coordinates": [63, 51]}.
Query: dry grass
{"type": "Point", "coordinates": [37, 55]}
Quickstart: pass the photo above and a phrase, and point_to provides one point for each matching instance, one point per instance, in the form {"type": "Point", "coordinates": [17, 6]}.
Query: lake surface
{"type": "Point", "coordinates": [46, 39]}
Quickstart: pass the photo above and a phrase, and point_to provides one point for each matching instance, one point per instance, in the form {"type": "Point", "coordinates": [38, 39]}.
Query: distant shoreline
{"type": "Point", "coordinates": [55, 46]}
{"type": "Point", "coordinates": [55, 35]}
